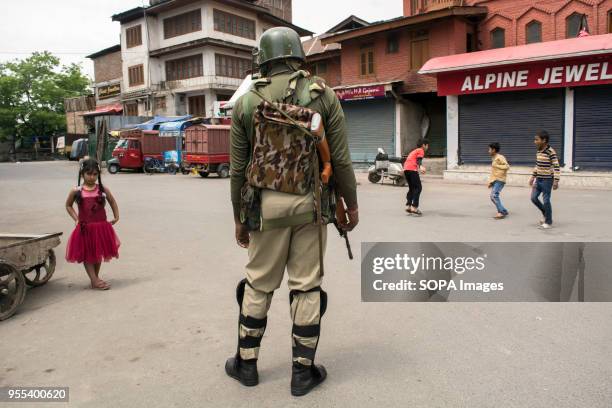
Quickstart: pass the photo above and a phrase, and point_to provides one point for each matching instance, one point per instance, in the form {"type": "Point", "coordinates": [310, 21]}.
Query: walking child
{"type": "Point", "coordinates": [93, 239]}
{"type": "Point", "coordinates": [413, 167]}
{"type": "Point", "coordinates": [545, 178]}
{"type": "Point", "coordinates": [497, 179]}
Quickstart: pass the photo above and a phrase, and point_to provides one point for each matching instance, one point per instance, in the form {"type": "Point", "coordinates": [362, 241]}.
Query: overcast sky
{"type": "Point", "coordinates": [72, 29]}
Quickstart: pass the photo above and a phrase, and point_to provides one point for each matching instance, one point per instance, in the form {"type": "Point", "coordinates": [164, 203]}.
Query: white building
{"type": "Point", "coordinates": [180, 56]}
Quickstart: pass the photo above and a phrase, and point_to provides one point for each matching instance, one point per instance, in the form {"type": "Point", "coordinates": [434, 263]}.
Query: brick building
{"type": "Point", "coordinates": [389, 104]}
{"type": "Point", "coordinates": [107, 79]}
{"type": "Point", "coordinates": [183, 56]}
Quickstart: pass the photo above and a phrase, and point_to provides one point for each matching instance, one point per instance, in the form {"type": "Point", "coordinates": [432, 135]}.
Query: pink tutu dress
{"type": "Point", "coordinates": [93, 239]}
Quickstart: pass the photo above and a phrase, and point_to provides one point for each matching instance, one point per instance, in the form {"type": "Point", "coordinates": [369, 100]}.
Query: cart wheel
{"type": "Point", "coordinates": [223, 171]}
{"type": "Point", "coordinates": [172, 170]}
{"type": "Point", "coordinates": [185, 171]}
{"type": "Point", "coordinates": [12, 289]}
{"type": "Point", "coordinates": [400, 181]}
{"type": "Point", "coordinates": [203, 174]}
{"type": "Point", "coordinates": [40, 274]}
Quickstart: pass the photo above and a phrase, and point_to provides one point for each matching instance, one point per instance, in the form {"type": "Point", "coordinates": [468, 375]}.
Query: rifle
{"type": "Point", "coordinates": [341, 215]}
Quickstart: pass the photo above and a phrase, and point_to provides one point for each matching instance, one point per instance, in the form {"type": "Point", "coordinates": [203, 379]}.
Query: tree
{"type": "Point", "coordinates": [32, 93]}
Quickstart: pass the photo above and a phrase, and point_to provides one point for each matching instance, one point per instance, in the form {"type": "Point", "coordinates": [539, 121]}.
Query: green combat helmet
{"type": "Point", "coordinates": [280, 43]}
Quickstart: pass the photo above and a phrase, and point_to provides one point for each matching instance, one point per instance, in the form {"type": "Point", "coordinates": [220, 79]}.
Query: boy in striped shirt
{"type": "Point", "coordinates": [545, 177]}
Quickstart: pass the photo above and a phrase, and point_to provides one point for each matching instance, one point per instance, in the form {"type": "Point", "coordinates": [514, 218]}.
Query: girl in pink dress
{"type": "Point", "coordinates": [93, 239]}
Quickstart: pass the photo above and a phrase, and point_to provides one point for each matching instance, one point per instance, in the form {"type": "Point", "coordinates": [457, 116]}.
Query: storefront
{"type": "Point", "coordinates": [508, 94]}
{"type": "Point", "coordinates": [371, 120]}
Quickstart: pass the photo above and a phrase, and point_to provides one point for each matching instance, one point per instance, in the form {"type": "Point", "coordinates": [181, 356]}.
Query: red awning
{"type": "Point", "coordinates": [111, 109]}
{"type": "Point", "coordinates": [549, 50]}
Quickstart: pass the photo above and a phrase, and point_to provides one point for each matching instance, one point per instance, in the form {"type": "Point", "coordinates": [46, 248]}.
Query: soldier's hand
{"type": "Point", "coordinates": [353, 220]}
{"type": "Point", "coordinates": [242, 235]}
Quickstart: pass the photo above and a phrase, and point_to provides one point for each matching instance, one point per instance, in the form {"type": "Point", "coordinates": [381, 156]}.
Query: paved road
{"type": "Point", "coordinates": [160, 337]}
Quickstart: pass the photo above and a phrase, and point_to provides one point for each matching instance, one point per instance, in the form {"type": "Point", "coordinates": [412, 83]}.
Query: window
{"type": "Point", "coordinates": [183, 24]}
{"type": "Point", "coordinates": [184, 68]}
{"type": "Point", "coordinates": [160, 102]}
{"type": "Point", "coordinates": [232, 24]}
{"type": "Point", "coordinates": [498, 38]}
{"type": "Point", "coordinates": [197, 105]}
{"type": "Point", "coordinates": [136, 75]}
{"type": "Point", "coordinates": [419, 49]}
{"type": "Point", "coordinates": [131, 109]}
{"type": "Point", "coordinates": [610, 21]}
{"type": "Point", "coordinates": [319, 68]}
{"type": "Point", "coordinates": [147, 105]}
{"type": "Point", "coordinates": [533, 32]}
{"type": "Point", "coordinates": [232, 67]}
{"type": "Point", "coordinates": [366, 60]}
{"type": "Point", "coordinates": [392, 44]}
{"type": "Point", "coordinates": [573, 24]}
{"type": "Point", "coordinates": [133, 36]}
{"type": "Point", "coordinates": [470, 43]}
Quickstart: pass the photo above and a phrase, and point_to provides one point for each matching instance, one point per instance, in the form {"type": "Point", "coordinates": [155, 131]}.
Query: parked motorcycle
{"type": "Point", "coordinates": [155, 165]}
{"type": "Point", "coordinates": [387, 167]}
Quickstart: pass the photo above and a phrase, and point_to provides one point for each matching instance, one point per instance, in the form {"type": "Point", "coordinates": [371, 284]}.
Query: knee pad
{"type": "Point", "coordinates": [240, 292]}
{"type": "Point", "coordinates": [322, 297]}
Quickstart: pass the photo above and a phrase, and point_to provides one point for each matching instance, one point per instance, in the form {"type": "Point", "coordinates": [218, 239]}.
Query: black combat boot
{"type": "Point", "coordinates": [244, 371]}
{"type": "Point", "coordinates": [305, 378]}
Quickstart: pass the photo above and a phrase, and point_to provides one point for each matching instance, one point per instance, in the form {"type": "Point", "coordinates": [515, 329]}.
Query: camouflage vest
{"type": "Point", "coordinates": [283, 155]}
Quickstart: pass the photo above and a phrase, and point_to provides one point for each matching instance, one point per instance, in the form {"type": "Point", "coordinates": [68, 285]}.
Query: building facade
{"type": "Point", "coordinates": [181, 57]}
{"type": "Point", "coordinates": [563, 87]}
{"type": "Point", "coordinates": [380, 63]}
{"type": "Point", "coordinates": [108, 77]}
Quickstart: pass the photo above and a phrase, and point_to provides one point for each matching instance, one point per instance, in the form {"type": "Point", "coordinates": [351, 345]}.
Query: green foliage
{"type": "Point", "coordinates": [32, 93]}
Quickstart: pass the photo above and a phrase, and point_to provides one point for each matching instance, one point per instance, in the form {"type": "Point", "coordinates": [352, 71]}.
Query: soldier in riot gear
{"type": "Point", "coordinates": [280, 222]}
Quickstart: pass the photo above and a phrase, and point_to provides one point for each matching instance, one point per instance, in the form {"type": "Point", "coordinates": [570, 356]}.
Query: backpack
{"type": "Point", "coordinates": [283, 155]}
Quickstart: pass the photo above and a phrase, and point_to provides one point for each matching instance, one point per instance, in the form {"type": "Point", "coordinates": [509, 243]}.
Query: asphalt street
{"type": "Point", "coordinates": [160, 337]}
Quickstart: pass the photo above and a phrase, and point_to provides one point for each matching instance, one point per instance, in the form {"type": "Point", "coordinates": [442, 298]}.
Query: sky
{"type": "Point", "coordinates": [73, 29]}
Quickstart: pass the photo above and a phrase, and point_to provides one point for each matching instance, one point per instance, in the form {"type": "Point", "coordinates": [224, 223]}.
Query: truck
{"type": "Point", "coordinates": [135, 145]}
{"type": "Point", "coordinates": [207, 150]}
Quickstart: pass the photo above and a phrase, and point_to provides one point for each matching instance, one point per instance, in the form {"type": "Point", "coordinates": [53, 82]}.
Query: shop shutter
{"type": "Point", "coordinates": [370, 125]}
{"type": "Point", "coordinates": [593, 127]}
{"type": "Point", "coordinates": [512, 119]}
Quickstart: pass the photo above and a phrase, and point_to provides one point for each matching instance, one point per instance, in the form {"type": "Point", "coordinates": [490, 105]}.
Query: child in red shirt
{"type": "Point", "coordinates": [413, 166]}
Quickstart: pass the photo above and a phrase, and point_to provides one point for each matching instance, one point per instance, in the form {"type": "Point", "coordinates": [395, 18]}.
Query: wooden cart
{"type": "Point", "coordinates": [24, 260]}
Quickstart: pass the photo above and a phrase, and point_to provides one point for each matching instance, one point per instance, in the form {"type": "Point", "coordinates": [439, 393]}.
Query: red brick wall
{"type": "Point", "coordinates": [514, 15]}
{"type": "Point", "coordinates": [449, 37]}
{"type": "Point", "coordinates": [108, 67]}
{"type": "Point", "coordinates": [445, 37]}
{"type": "Point", "coordinates": [333, 76]}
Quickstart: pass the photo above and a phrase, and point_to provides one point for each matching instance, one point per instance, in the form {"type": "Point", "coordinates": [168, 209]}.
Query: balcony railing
{"type": "Point", "coordinates": [203, 82]}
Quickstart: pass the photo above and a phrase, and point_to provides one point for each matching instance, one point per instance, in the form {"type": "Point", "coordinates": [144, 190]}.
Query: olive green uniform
{"type": "Point", "coordinates": [294, 248]}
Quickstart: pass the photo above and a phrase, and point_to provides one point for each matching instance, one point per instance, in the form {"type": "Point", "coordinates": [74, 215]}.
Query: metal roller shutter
{"type": "Point", "coordinates": [593, 127]}
{"type": "Point", "coordinates": [370, 125]}
{"type": "Point", "coordinates": [512, 119]}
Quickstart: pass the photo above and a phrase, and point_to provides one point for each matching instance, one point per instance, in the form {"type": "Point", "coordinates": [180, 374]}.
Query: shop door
{"type": "Point", "coordinates": [512, 119]}
{"type": "Point", "coordinates": [370, 125]}
{"type": "Point", "coordinates": [593, 127]}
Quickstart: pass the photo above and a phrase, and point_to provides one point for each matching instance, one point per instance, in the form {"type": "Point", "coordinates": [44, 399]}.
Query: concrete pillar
{"type": "Point", "coordinates": [568, 132]}
{"type": "Point", "coordinates": [452, 131]}
{"type": "Point", "coordinates": [398, 129]}
{"type": "Point", "coordinates": [410, 117]}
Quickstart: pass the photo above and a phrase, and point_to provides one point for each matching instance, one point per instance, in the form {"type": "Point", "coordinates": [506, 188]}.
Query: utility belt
{"type": "Point", "coordinates": [251, 214]}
